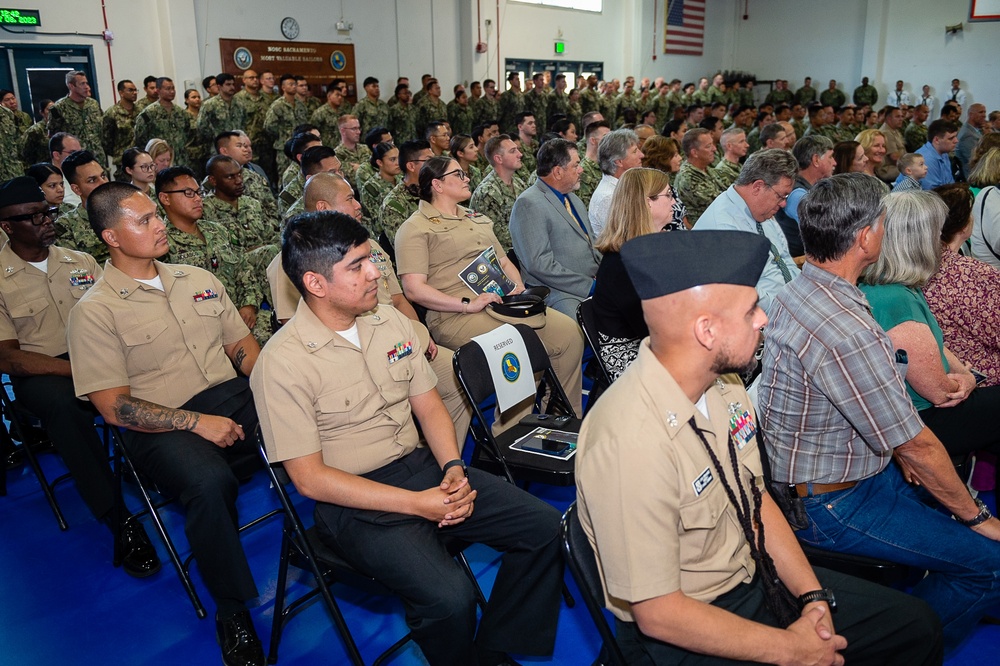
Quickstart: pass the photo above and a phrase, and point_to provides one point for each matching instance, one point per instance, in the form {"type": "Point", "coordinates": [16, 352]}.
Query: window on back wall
{"type": "Point", "coordinates": [582, 5]}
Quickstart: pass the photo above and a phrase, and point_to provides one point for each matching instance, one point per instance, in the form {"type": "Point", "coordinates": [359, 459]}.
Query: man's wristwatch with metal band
{"type": "Point", "coordinates": [819, 595]}
{"type": "Point", "coordinates": [981, 517]}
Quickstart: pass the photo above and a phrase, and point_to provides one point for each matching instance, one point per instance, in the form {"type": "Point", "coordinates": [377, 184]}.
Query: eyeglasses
{"type": "Point", "coordinates": [187, 191]}
{"type": "Point", "coordinates": [665, 195]}
{"type": "Point", "coordinates": [36, 219]}
{"type": "Point", "coordinates": [780, 197]}
{"type": "Point", "coordinates": [147, 167]}
{"type": "Point", "coordinates": [457, 172]}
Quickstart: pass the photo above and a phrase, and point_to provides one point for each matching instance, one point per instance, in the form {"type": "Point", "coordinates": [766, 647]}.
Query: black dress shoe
{"type": "Point", "coordinates": [139, 558]}
{"type": "Point", "coordinates": [239, 642]}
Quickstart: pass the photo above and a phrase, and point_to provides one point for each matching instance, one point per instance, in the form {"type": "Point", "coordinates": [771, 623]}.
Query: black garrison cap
{"type": "Point", "coordinates": [667, 262]}
{"type": "Point", "coordinates": [20, 190]}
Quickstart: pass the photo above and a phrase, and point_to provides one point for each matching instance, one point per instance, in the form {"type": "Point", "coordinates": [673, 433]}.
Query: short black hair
{"type": "Point", "coordinates": [74, 161]}
{"type": "Point", "coordinates": [219, 159]}
{"type": "Point", "coordinates": [312, 157]}
{"type": "Point", "coordinates": [105, 202]}
{"type": "Point", "coordinates": [432, 126]}
{"type": "Point", "coordinates": [285, 77]}
{"type": "Point", "coordinates": [408, 151]}
{"type": "Point", "coordinates": [207, 81]}
{"type": "Point", "coordinates": [225, 136]}
{"type": "Point", "coordinates": [400, 88]}
{"type": "Point", "coordinates": [123, 83]}
{"type": "Point", "coordinates": [169, 176]}
{"type": "Point", "coordinates": [315, 242]}
{"type": "Point", "coordinates": [149, 79]}
{"type": "Point", "coordinates": [374, 136]}
{"type": "Point", "coordinates": [299, 143]}
{"type": "Point", "coordinates": [224, 78]}
{"type": "Point", "coordinates": [368, 81]}
{"type": "Point", "coordinates": [553, 153]}
{"type": "Point", "coordinates": [519, 118]}
{"type": "Point", "coordinates": [936, 129]}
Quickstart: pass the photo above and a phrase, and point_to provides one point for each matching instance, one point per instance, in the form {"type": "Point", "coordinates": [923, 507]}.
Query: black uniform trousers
{"type": "Point", "coordinates": [198, 472]}
{"type": "Point", "coordinates": [407, 555]}
{"type": "Point", "coordinates": [883, 627]}
{"type": "Point", "coordinates": [69, 422]}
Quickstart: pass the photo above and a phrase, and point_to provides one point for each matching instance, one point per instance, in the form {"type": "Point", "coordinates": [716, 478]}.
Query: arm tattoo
{"type": "Point", "coordinates": [239, 357]}
{"type": "Point", "coordinates": [146, 416]}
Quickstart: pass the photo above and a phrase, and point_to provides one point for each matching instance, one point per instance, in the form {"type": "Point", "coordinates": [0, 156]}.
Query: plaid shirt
{"type": "Point", "coordinates": [832, 401]}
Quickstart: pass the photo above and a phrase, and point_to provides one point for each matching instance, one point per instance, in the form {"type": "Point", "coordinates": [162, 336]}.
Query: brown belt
{"type": "Point", "coordinates": [802, 489]}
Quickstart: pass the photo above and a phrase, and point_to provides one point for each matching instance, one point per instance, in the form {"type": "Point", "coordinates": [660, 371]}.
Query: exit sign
{"type": "Point", "coordinates": [28, 17]}
{"type": "Point", "coordinates": [560, 47]}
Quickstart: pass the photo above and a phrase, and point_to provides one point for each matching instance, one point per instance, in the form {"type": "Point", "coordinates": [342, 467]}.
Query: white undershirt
{"type": "Point", "coordinates": [351, 335]}
{"type": "Point", "coordinates": [702, 406]}
{"type": "Point", "coordinates": [155, 283]}
{"type": "Point", "coordinates": [42, 265]}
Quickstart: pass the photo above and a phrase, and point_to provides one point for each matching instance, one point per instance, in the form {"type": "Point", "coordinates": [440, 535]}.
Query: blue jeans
{"type": "Point", "coordinates": [887, 518]}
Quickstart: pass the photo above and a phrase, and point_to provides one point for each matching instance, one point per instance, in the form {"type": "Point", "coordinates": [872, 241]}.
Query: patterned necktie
{"type": "Point", "coordinates": [569, 209]}
{"type": "Point", "coordinates": [785, 273]}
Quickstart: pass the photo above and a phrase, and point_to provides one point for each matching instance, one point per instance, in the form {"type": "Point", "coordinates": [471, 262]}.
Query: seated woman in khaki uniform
{"type": "Point", "coordinates": [433, 247]}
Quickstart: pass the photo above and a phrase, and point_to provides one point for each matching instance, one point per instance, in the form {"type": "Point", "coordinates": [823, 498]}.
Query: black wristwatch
{"type": "Point", "coordinates": [981, 517]}
{"type": "Point", "coordinates": [457, 462]}
{"type": "Point", "coordinates": [819, 595]}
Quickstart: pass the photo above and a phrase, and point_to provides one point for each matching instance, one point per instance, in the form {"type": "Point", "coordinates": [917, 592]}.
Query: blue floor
{"type": "Point", "coordinates": [64, 603]}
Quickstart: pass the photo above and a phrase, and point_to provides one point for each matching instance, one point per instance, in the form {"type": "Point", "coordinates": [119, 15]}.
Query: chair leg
{"type": "Point", "coordinates": [278, 614]}
{"type": "Point", "coordinates": [567, 596]}
{"type": "Point", "coordinates": [392, 649]}
{"type": "Point", "coordinates": [464, 563]}
{"type": "Point", "coordinates": [154, 515]}
{"type": "Point", "coordinates": [42, 481]}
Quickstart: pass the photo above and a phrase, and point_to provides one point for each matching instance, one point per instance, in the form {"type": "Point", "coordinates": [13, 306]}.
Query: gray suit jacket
{"type": "Point", "coordinates": [551, 246]}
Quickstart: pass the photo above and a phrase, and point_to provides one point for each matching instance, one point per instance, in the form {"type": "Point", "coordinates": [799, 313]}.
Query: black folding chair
{"type": "Point", "coordinates": [588, 323]}
{"type": "Point", "coordinates": [302, 548]}
{"type": "Point", "coordinates": [493, 453]}
{"type": "Point", "coordinates": [583, 566]}
{"type": "Point", "coordinates": [147, 489]}
{"type": "Point", "coordinates": [27, 429]}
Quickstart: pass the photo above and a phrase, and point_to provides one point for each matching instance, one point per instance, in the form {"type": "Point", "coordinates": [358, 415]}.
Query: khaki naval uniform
{"type": "Point", "coordinates": [440, 246]}
{"type": "Point", "coordinates": [318, 392]}
{"type": "Point", "coordinates": [286, 299]}
{"type": "Point", "coordinates": [167, 346]}
{"type": "Point", "coordinates": [34, 310]}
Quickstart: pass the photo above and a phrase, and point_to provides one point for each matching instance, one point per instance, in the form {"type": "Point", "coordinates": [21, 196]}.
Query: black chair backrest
{"type": "Point", "coordinates": [588, 322]}
{"type": "Point", "coordinates": [386, 244]}
{"type": "Point", "coordinates": [470, 363]}
{"type": "Point", "coordinates": [583, 565]}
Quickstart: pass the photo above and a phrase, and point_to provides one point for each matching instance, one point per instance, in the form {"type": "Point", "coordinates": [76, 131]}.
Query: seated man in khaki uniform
{"type": "Point", "coordinates": [154, 346]}
{"type": "Point", "coordinates": [697, 562]}
{"type": "Point", "coordinates": [327, 191]}
{"type": "Point", "coordinates": [337, 408]}
{"type": "Point", "coordinates": [39, 284]}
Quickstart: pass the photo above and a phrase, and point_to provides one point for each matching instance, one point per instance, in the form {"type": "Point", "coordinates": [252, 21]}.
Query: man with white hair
{"type": "Point", "coordinates": [617, 153]}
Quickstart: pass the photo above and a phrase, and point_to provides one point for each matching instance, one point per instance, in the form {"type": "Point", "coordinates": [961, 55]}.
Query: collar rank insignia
{"type": "Point", "coordinates": [81, 277]}
{"type": "Point", "coordinates": [401, 350]}
{"type": "Point", "coordinates": [205, 295]}
{"type": "Point", "coordinates": [742, 428]}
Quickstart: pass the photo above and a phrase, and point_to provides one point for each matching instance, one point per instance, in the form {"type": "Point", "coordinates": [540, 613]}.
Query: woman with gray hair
{"type": "Point", "coordinates": [941, 386]}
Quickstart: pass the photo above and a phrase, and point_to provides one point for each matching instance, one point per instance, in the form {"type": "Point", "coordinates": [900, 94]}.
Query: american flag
{"type": "Point", "coordinates": [685, 30]}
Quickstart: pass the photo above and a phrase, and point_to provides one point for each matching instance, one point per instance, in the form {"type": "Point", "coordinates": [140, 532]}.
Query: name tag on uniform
{"type": "Point", "coordinates": [742, 428]}
{"type": "Point", "coordinates": [703, 481]}
{"type": "Point", "coordinates": [205, 295]}
{"type": "Point", "coordinates": [401, 350]}
{"type": "Point", "coordinates": [81, 277]}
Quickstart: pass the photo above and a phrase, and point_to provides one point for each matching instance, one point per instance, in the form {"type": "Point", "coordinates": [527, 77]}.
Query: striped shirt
{"type": "Point", "coordinates": [832, 400]}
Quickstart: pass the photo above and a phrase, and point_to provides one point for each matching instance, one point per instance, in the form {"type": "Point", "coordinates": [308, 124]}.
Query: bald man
{"type": "Point", "coordinates": [970, 134]}
{"type": "Point", "coordinates": [329, 191]}
{"type": "Point", "coordinates": [671, 491]}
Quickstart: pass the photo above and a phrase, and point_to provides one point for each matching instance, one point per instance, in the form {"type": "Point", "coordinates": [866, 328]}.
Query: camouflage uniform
{"type": "Point", "coordinates": [403, 123]}
{"type": "Point", "coordinates": [254, 110]}
{"type": "Point", "coordinates": [255, 186]}
{"type": "Point", "coordinates": [589, 179]}
{"type": "Point", "coordinates": [35, 144]}
{"type": "Point", "coordinates": [429, 110]}
{"type": "Point", "coordinates": [82, 121]}
{"type": "Point", "coordinates": [914, 137]}
{"type": "Point", "coordinates": [700, 97]}
{"type": "Point", "coordinates": [510, 103]}
{"type": "Point", "coordinates": [697, 189]}
{"type": "Point", "coordinates": [537, 103]}
{"type": "Point", "coordinates": [575, 114]}
{"type": "Point", "coordinates": [371, 115]}
{"type": "Point", "coordinates": [663, 107]}
{"type": "Point", "coordinates": [835, 98]}
{"type": "Point", "coordinates": [715, 94]}
{"type": "Point", "coordinates": [217, 255]}
{"type": "Point", "coordinates": [529, 162]}
{"type": "Point", "coordinates": [312, 103]}
{"type": "Point", "coordinates": [364, 172]}
{"type": "Point", "coordinates": [753, 140]}
{"type": "Point", "coordinates": [397, 206]}
{"type": "Point", "coordinates": [350, 160]}
{"type": "Point", "coordinates": [327, 119]}
{"type": "Point", "coordinates": [173, 125]}
{"type": "Point", "coordinates": [805, 95]}
{"type": "Point", "coordinates": [726, 172]}
{"type": "Point", "coordinates": [290, 192]}
{"type": "Point", "coordinates": [777, 97]}
{"type": "Point", "coordinates": [23, 121]}
{"type": "Point", "coordinates": [73, 231]}
{"type": "Point", "coordinates": [589, 100]}
{"type": "Point", "coordinates": [631, 100]}
{"type": "Point", "coordinates": [118, 135]}
{"type": "Point", "coordinates": [495, 199]}
{"type": "Point", "coordinates": [198, 148]}
{"type": "Point", "coordinates": [484, 109]}
{"type": "Point", "coordinates": [298, 206]}
{"type": "Point", "coordinates": [475, 176]}
{"type": "Point", "coordinates": [216, 116]}
{"type": "Point", "coordinates": [373, 193]}
{"type": "Point", "coordinates": [142, 104]}
{"type": "Point", "coordinates": [460, 118]}
{"type": "Point", "coordinates": [609, 108]}
{"type": "Point", "coordinates": [800, 129]}
{"type": "Point", "coordinates": [844, 133]}
{"type": "Point", "coordinates": [866, 95]}
{"type": "Point", "coordinates": [292, 171]}
{"type": "Point", "coordinates": [279, 122]}
{"type": "Point", "coordinates": [249, 229]}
